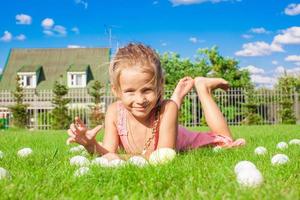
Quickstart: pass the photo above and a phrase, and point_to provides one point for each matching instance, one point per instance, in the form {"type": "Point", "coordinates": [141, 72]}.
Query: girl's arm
{"type": "Point", "coordinates": [168, 125]}
{"type": "Point", "coordinates": [79, 133]}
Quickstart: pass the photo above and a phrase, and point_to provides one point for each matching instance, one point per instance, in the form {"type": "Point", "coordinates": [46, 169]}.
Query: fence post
{"type": "Point", "coordinates": [297, 108]}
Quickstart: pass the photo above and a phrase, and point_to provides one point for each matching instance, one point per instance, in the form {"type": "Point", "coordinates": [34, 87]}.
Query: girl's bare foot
{"type": "Point", "coordinates": [183, 87]}
{"type": "Point", "coordinates": [211, 83]}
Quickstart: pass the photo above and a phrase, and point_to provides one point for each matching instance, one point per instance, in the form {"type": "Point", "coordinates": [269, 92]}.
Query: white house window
{"type": "Point", "coordinates": [28, 80]}
{"type": "Point", "coordinates": [76, 79]}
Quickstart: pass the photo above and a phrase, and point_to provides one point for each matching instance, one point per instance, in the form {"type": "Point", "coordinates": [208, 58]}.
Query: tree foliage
{"type": "Point", "coordinates": [60, 117]}
{"type": "Point", "coordinates": [287, 85]}
{"type": "Point", "coordinates": [97, 115]}
{"type": "Point", "coordinates": [19, 110]}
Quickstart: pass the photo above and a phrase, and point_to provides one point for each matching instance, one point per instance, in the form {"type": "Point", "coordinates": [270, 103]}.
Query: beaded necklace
{"type": "Point", "coordinates": [153, 131]}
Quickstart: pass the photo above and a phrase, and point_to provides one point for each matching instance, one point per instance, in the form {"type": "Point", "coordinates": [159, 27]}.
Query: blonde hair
{"type": "Point", "coordinates": [137, 55]}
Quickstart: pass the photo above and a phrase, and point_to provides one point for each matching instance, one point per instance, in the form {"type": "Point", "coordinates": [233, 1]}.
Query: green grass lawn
{"type": "Point", "coordinates": [198, 174]}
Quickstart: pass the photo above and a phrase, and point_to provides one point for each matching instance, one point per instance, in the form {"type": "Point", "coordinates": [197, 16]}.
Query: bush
{"type": "Point", "coordinates": [19, 110]}
{"type": "Point", "coordinates": [60, 117]}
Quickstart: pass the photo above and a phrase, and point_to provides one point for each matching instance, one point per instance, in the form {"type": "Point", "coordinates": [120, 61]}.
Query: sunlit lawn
{"type": "Point", "coordinates": [198, 174]}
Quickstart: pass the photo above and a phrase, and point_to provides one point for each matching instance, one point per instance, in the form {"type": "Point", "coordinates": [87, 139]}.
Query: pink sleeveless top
{"type": "Point", "coordinates": [186, 139]}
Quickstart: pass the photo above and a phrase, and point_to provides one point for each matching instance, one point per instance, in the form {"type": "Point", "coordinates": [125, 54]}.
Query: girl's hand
{"type": "Point", "coordinates": [79, 133]}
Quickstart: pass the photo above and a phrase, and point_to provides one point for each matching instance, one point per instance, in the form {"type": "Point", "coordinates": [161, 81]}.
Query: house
{"type": "Point", "coordinates": [40, 68]}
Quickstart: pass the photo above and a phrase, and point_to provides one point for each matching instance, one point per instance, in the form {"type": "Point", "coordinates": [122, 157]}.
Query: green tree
{"type": "Point", "coordinates": [226, 68]}
{"type": "Point", "coordinates": [287, 86]}
{"type": "Point", "coordinates": [19, 110]}
{"type": "Point", "coordinates": [60, 117]}
{"type": "Point", "coordinates": [251, 104]}
{"type": "Point", "coordinates": [96, 116]}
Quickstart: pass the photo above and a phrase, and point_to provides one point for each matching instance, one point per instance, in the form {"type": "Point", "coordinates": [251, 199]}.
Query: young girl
{"type": "Point", "coordinates": [142, 121]}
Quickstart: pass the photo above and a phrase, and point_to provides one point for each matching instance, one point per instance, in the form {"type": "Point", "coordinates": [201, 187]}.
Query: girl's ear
{"type": "Point", "coordinates": [114, 91]}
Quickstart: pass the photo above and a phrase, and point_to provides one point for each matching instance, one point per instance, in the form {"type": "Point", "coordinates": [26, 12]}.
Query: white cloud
{"type": "Point", "coordinates": [23, 19]}
{"type": "Point", "coordinates": [53, 30]}
{"type": "Point", "coordinates": [74, 46]}
{"type": "Point", "coordinates": [47, 23]}
{"type": "Point", "coordinates": [189, 2]}
{"type": "Point", "coordinates": [293, 58]}
{"type": "Point", "coordinates": [274, 62]}
{"type": "Point", "coordinates": [82, 2]}
{"type": "Point", "coordinates": [280, 70]}
{"type": "Point", "coordinates": [263, 80]}
{"type": "Point", "coordinates": [297, 63]}
{"type": "Point", "coordinates": [48, 32]}
{"type": "Point", "coordinates": [20, 37]}
{"type": "Point", "coordinates": [247, 36]}
{"type": "Point", "coordinates": [292, 9]}
{"type": "Point", "coordinates": [288, 36]}
{"type": "Point", "coordinates": [75, 30]}
{"type": "Point", "coordinates": [260, 30]}
{"type": "Point", "coordinates": [7, 37]}
{"type": "Point", "coordinates": [60, 30]}
{"type": "Point", "coordinates": [254, 70]}
{"type": "Point", "coordinates": [259, 48]}
{"type": "Point", "coordinates": [195, 40]}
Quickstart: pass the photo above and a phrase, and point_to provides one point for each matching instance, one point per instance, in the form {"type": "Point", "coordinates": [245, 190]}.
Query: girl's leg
{"type": "Point", "coordinates": [183, 87]}
{"type": "Point", "coordinates": [212, 113]}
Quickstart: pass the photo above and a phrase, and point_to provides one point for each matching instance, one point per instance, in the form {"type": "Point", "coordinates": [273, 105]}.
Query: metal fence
{"type": "Point", "coordinates": [232, 104]}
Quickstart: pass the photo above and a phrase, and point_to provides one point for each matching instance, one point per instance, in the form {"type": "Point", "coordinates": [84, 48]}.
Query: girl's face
{"type": "Point", "coordinates": [137, 93]}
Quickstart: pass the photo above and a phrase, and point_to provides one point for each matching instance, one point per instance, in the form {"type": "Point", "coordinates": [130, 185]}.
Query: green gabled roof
{"type": "Point", "coordinates": [30, 68]}
{"type": "Point", "coordinates": [55, 64]}
{"type": "Point", "coordinates": [78, 68]}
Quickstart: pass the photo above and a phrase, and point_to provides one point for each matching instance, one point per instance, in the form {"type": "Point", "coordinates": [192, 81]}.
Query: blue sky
{"type": "Point", "coordinates": [264, 36]}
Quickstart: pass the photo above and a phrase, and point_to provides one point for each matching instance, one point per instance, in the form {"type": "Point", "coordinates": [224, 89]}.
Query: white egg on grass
{"type": "Point", "coordinates": [4, 174]}
{"type": "Point", "coordinates": [217, 149]}
{"type": "Point", "coordinates": [77, 149]}
{"type": "Point", "coordinates": [250, 178]}
{"type": "Point", "coordinates": [294, 142]}
{"type": "Point", "coordinates": [116, 163]}
{"type": "Point", "coordinates": [25, 152]}
{"type": "Point", "coordinates": [100, 161]}
{"type": "Point", "coordinates": [260, 150]}
{"type": "Point", "coordinates": [279, 159]}
{"type": "Point", "coordinates": [79, 161]}
{"type": "Point", "coordinates": [1, 155]}
{"type": "Point", "coordinates": [162, 156]}
{"type": "Point", "coordinates": [282, 145]}
{"type": "Point", "coordinates": [81, 171]}
{"type": "Point", "coordinates": [244, 165]}
{"type": "Point", "coordinates": [138, 161]}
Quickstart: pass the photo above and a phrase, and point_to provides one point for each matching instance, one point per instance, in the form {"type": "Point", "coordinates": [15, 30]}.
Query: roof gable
{"type": "Point", "coordinates": [55, 64]}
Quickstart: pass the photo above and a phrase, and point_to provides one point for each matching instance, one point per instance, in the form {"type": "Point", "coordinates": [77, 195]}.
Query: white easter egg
{"type": "Point", "coordinates": [4, 174]}
{"type": "Point", "coordinates": [162, 155]}
{"type": "Point", "coordinates": [282, 145]}
{"type": "Point", "coordinates": [76, 149]}
{"type": "Point", "coordinates": [138, 161]}
{"type": "Point", "coordinates": [81, 171]}
{"type": "Point", "coordinates": [25, 152]}
{"type": "Point", "coordinates": [116, 163]}
{"type": "Point", "coordinates": [217, 149]}
{"type": "Point", "coordinates": [1, 155]}
{"type": "Point", "coordinates": [79, 161]}
{"type": "Point", "coordinates": [295, 141]}
{"type": "Point", "coordinates": [279, 159]}
{"type": "Point", "coordinates": [250, 178]}
{"type": "Point", "coordinates": [260, 151]}
{"type": "Point", "coordinates": [100, 161]}
{"type": "Point", "coordinates": [243, 166]}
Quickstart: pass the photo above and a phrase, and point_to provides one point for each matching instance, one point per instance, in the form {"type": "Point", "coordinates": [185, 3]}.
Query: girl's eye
{"type": "Point", "coordinates": [148, 90]}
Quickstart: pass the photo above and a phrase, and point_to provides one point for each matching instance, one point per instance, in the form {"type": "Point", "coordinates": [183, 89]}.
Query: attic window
{"type": "Point", "coordinates": [76, 79]}
{"type": "Point", "coordinates": [28, 80]}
